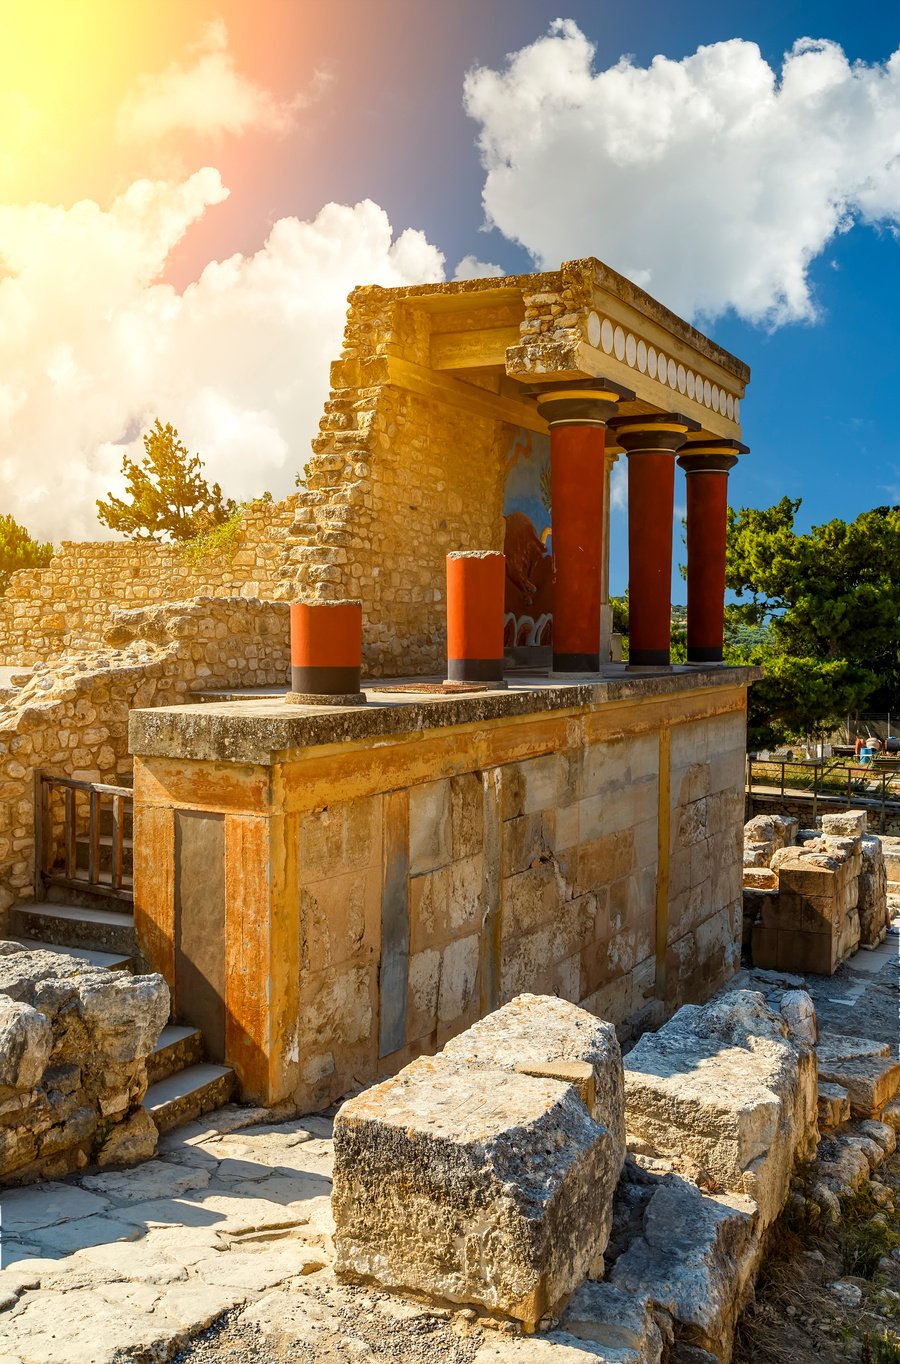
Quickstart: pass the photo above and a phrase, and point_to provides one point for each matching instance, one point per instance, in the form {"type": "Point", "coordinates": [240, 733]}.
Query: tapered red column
{"type": "Point", "coordinates": [706, 465]}
{"type": "Point", "coordinates": [476, 581]}
{"type": "Point", "coordinates": [651, 443]}
{"type": "Point", "coordinates": [577, 413]}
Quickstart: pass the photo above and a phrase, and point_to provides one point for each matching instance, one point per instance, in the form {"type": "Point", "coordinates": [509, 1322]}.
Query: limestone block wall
{"type": "Point", "coordinates": [70, 603]}
{"type": "Point", "coordinates": [71, 719]}
{"type": "Point", "coordinates": [73, 1073]}
{"type": "Point", "coordinates": [812, 897]}
{"type": "Point", "coordinates": [397, 889]}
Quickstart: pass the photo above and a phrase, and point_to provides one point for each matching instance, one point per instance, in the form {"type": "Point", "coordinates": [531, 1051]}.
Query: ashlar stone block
{"type": "Point", "coordinates": [725, 1085]}
{"type": "Point", "coordinates": [466, 1180]}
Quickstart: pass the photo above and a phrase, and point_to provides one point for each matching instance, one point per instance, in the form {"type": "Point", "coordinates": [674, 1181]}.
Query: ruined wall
{"type": "Point", "coordinates": [71, 719]}
{"type": "Point", "coordinates": [73, 1066]}
{"type": "Point", "coordinates": [395, 895]}
{"type": "Point", "coordinates": [69, 603]}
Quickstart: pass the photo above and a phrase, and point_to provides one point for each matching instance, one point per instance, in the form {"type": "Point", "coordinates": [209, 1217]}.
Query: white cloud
{"type": "Point", "coordinates": [207, 96]}
{"type": "Point", "coordinates": [712, 181]}
{"type": "Point", "coordinates": [93, 347]}
{"type": "Point", "coordinates": [470, 267]}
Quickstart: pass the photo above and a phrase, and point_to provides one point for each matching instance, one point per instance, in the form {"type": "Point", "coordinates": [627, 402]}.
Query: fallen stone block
{"type": "Point", "coordinates": [544, 1036]}
{"type": "Point", "coordinates": [469, 1182]}
{"type": "Point", "coordinates": [846, 824]}
{"type": "Point", "coordinates": [834, 1105]}
{"type": "Point", "coordinates": [890, 1114]}
{"type": "Point", "coordinates": [799, 1013]}
{"type": "Point", "coordinates": [696, 1260]}
{"type": "Point", "coordinates": [616, 1320]}
{"type": "Point", "coordinates": [872, 904]}
{"type": "Point", "coordinates": [760, 878]}
{"type": "Point", "coordinates": [859, 1065]}
{"type": "Point", "coordinates": [724, 1085]}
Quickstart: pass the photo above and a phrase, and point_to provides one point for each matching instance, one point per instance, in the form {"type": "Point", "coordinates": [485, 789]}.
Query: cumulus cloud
{"type": "Point", "coordinates": [93, 346]}
{"type": "Point", "coordinates": [713, 181]}
{"type": "Point", "coordinates": [470, 267]}
{"type": "Point", "coordinates": [207, 95]}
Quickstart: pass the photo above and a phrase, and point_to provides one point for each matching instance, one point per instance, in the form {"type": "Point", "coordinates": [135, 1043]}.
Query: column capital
{"type": "Point", "coordinates": [580, 402]}
{"type": "Point", "coordinates": [711, 456]}
{"type": "Point", "coordinates": [666, 431]}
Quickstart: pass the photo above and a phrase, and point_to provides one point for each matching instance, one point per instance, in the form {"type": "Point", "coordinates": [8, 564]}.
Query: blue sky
{"type": "Point", "coordinates": [355, 100]}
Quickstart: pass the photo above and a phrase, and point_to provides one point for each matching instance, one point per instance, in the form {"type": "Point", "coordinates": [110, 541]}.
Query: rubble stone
{"type": "Point", "coordinates": [724, 1085]}
{"type": "Point", "coordinates": [696, 1260]}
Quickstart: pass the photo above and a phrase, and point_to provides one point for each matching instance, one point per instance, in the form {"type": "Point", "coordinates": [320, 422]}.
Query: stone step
{"type": "Point", "coordinates": [186, 1095]}
{"type": "Point", "coordinates": [106, 961]}
{"type": "Point", "coordinates": [177, 1048]}
{"type": "Point", "coordinates": [83, 852]}
{"type": "Point", "coordinates": [870, 1081]}
{"type": "Point", "coordinates": [76, 926]}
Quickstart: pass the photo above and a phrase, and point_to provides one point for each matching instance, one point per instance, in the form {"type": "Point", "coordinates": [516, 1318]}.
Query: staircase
{"type": "Point", "coordinates": [88, 914]}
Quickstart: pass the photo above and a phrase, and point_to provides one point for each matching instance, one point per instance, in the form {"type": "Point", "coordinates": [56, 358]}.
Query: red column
{"type": "Point", "coordinates": [326, 651]}
{"type": "Point", "coordinates": [476, 584]}
{"type": "Point", "coordinates": [706, 465]}
{"type": "Point", "coordinates": [577, 413]}
{"type": "Point", "coordinates": [651, 442]}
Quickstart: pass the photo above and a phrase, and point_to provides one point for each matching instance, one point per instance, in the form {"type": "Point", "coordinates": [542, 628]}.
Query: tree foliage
{"type": "Point", "coordinates": [820, 612]}
{"type": "Point", "coordinates": [19, 550]}
{"type": "Point", "coordinates": [167, 496]}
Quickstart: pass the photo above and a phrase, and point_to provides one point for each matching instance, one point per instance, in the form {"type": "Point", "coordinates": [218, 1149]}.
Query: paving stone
{"type": "Point", "coordinates": [156, 1179]}
{"type": "Point", "coordinates": [604, 1314]}
{"type": "Point", "coordinates": [83, 1232]}
{"type": "Point", "coordinates": [44, 1205]}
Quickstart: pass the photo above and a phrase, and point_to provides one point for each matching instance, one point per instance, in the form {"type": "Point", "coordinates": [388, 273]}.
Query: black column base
{"type": "Point", "coordinates": [648, 658]}
{"type": "Point", "coordinates": [696, 654]}
{"type": "Point", "coordinates": [474, 669]}
{"type": "Point", "coordinates": [322, 681]}
{"type": "Point", "coordinates": [576, 663]}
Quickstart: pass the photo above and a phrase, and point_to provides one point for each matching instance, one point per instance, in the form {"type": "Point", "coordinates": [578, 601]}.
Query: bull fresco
{"type": "Point", "coordinates": [527, 542]}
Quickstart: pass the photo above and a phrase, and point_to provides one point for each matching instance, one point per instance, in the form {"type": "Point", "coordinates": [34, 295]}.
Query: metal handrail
{"type": "Point", "coordinates": [863, 777]}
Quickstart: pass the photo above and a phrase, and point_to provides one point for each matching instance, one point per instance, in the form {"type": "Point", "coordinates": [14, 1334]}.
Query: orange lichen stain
{"type": "Point", "coordinates": [247, 952]}
{"type": "Point", "coordinates": [201, 785]}
{"type": "Point", "coordinates": [154, 887]}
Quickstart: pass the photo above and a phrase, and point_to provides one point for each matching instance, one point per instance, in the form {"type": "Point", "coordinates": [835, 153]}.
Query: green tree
{"type": "Point", "coordinates": [820, 612]}
{"type": "Point", "coordinates": [167, 495]}
{"type": "Point", "coordinates": [19, 550]}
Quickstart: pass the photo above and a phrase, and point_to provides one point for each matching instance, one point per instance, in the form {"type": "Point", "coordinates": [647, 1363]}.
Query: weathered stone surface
{"type": "Point", "coordinates": [834, 1105]}
{"type": "Point", "coordinates": [614, 1319]}
{"type": "Point", "coordinates": [471, 1184]}
{"type": "Point", "coordinates": [724, 1085]}
{"type": "Point", "coordinates": [799, 1013]}
{"type": "Point", "coordinates": [870, 1078]}
{"type": "Point", "coordinates": [26, 1040]}
{"type": "Point", "coordinates": [846, 824]}
{"type": "Point", "coordinates": [695, 1260]}
{"type": "Point", "coordinates": [130, 1141]}
{"type": "Point", "coordinates": [73, 1046]}
{"type": "Point", "coordinates": [534, 1030]}
{"type": "Point", "coordinates": [874, 916]}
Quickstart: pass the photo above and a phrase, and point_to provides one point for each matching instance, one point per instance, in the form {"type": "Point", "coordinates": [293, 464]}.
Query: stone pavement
{"type": "Point", "coordinates": [233, 1216]}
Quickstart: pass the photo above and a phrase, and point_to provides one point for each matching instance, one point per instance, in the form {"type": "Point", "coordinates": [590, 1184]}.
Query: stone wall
{"type": "Point", "coordinates": [71, 718]}
{"type": "Point", "coordinates": [74, 1042]}
{"type": "Point", "coordinates": [70, 603]}
{"type": "Point", "coordinates": [812, 897]}
{"type": "Point", "coordinates": [398, 887]}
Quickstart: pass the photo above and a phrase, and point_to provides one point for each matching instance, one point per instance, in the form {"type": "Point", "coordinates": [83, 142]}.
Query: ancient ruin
{"type": "Point", "coordinates": [365, 808]}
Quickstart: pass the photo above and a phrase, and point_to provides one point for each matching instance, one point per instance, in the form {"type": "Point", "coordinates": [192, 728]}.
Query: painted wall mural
{"type": "Point", "coordinates": [527, 541]}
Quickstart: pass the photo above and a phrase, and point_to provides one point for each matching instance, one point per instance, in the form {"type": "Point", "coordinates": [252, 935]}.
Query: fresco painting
{"type": "Point", "coordinates": [527, 542]}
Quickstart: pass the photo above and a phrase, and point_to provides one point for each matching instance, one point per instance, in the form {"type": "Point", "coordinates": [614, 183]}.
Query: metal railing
{"type": "Point", "coordinates": [873, 786]}
{"type": "Point", "coordinates": [69, 816]}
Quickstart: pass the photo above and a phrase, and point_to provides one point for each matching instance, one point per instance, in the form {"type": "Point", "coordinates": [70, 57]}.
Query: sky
{"type": "Point", "coordinates": [189, 191]}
